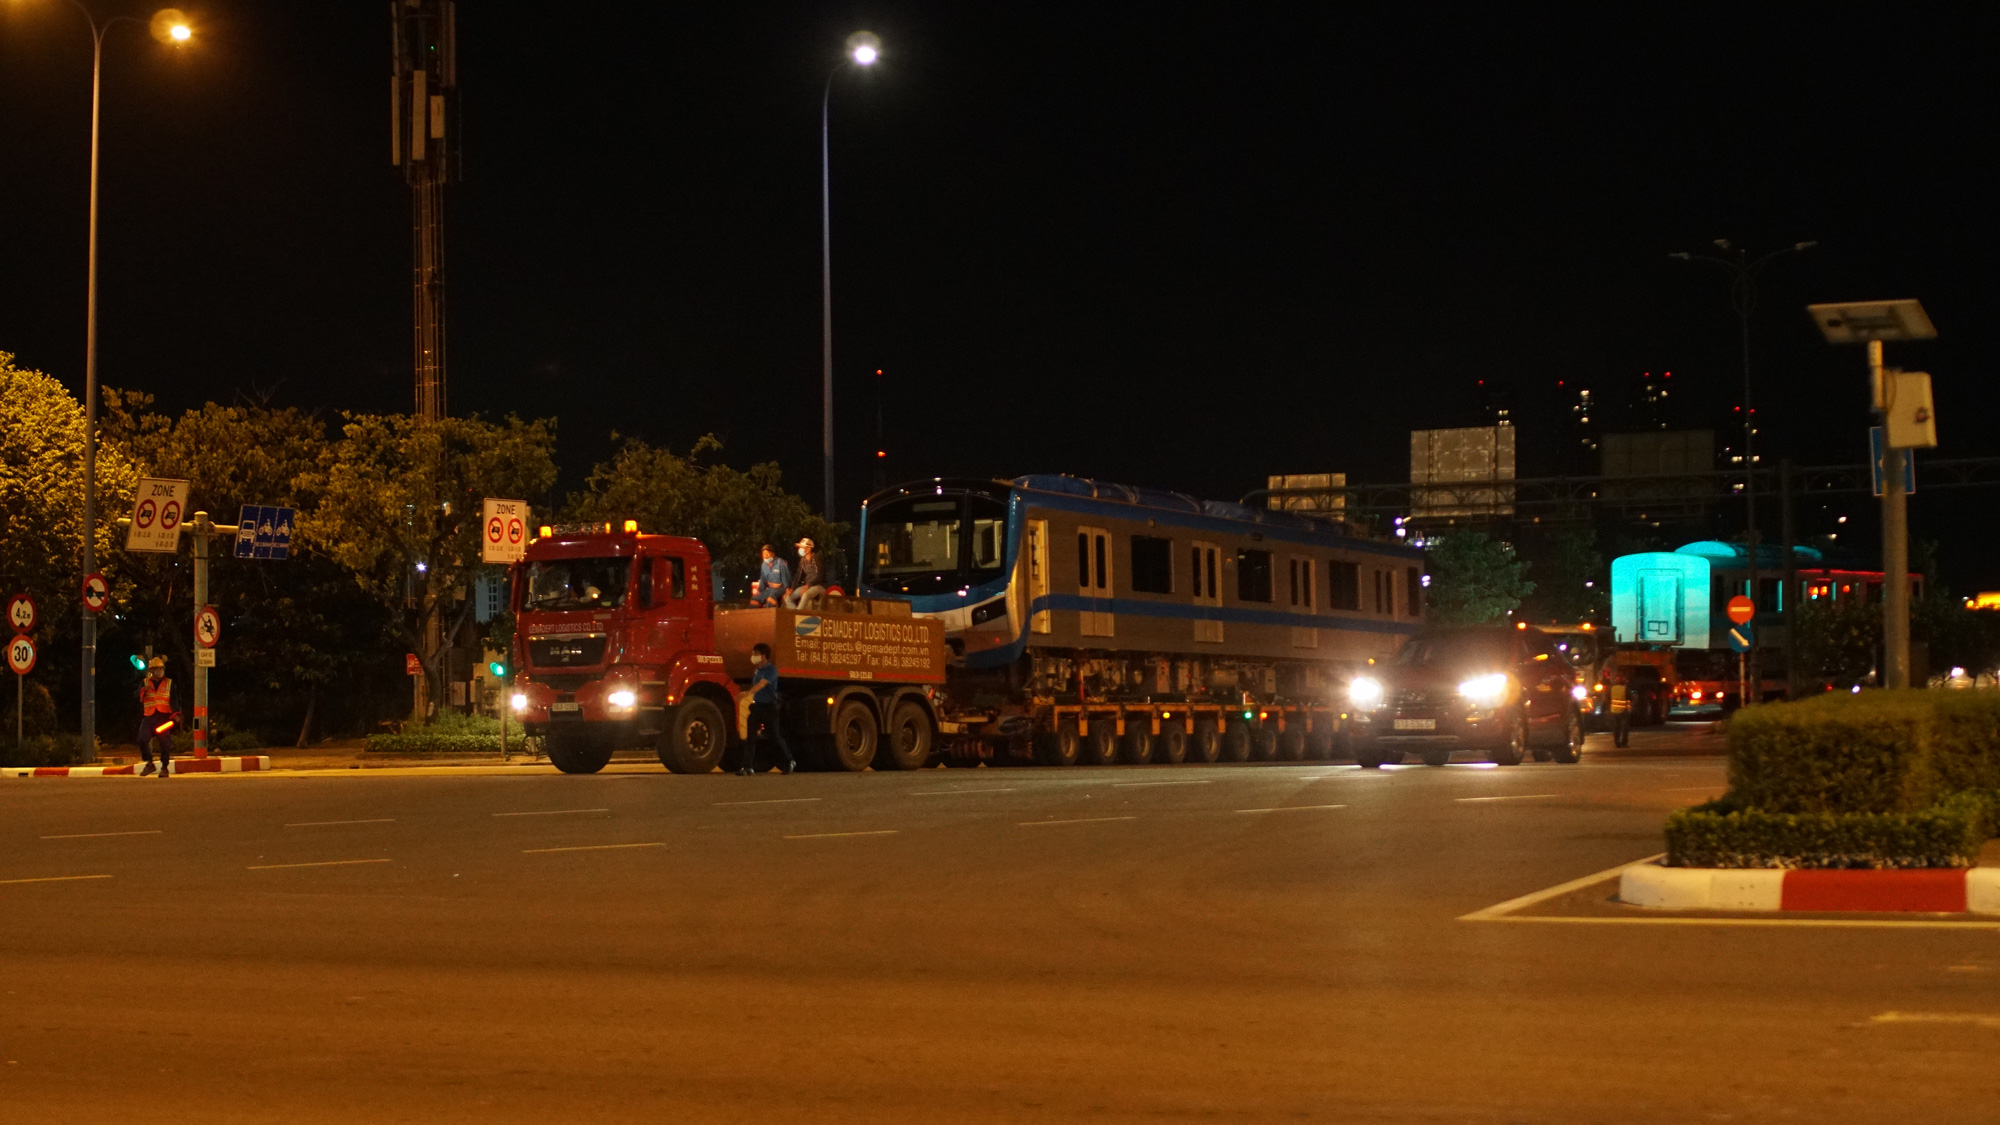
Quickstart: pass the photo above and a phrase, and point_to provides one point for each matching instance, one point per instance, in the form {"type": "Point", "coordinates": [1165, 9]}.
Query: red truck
{"type": "Point", "coordinates": [619, 644]}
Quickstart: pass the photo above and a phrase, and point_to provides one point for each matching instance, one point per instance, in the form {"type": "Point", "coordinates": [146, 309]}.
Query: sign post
{"type": "Point", "coordinates": [21, 615]}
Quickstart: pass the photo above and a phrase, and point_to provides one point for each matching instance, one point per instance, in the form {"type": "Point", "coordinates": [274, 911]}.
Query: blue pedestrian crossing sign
{"type": "Point", "coordinates": [264, 532]}
{"type": "Point", "coordinates": [1741, 637]}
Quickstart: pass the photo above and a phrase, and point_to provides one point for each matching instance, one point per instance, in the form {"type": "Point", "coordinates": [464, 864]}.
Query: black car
{"type": "Point", "coordinates": [1502, 692]}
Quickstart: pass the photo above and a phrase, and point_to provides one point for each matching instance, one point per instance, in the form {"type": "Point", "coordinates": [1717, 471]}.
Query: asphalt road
{"type": "Point", "coordinates": [1232, 943]}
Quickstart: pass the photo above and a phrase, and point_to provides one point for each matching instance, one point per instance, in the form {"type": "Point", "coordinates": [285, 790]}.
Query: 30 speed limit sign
{"type": "Point", "coordinates": [21, 655]}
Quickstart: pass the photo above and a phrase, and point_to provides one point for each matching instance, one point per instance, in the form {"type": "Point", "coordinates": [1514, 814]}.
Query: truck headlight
{"type": "Point", "coordinates": [622, 699]}
{"type": "Point", "coordinates": [1365, 692]}
{"type": "Point", "coordinates": [520, 701]}
{"type": "Point", "coordinates": [1484, 691]}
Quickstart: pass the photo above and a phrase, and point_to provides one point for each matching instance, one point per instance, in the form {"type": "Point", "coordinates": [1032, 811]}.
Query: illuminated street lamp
{"type": "Point", "coordinates": [863, 49]}
{"type": "Point", "coordinates": [169, 26]}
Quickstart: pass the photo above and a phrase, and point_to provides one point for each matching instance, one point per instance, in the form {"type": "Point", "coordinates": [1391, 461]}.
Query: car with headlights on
{"type": "Point", "coordinates": [1503, 693]}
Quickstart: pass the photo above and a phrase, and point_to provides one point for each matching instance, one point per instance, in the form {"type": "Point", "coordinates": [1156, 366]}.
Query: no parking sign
{"type": "Point", "coordinates": [504, 524]}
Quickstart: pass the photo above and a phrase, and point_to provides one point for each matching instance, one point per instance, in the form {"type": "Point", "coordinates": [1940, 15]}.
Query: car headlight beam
{"type": "Point", "coordinates": [1485, 691]}
{"type": "Point", "coordinates": [1364, 692]}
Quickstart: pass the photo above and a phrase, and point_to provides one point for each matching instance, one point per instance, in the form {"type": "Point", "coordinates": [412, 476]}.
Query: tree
{"type": "Point", "coordinates": [1574, 577]}
{"type": "Point", "coordinates": [1475, 579]}
{"type": "Point", "coordinates": [1835, 640]}
{"type": "Point", "coordinates": [733, 513]}
{"type": "Point", "coordinates": [399, 508]}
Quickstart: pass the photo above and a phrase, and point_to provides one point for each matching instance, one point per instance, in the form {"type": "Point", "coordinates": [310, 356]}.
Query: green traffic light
{"type": "Point", "coordinates": [138, 662]}
{"type": "Point", "coordinates": [497, 668]}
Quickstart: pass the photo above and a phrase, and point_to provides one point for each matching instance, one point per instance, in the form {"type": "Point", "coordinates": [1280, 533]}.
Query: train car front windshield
{"type": "Point", "coordinates": [934, 544]}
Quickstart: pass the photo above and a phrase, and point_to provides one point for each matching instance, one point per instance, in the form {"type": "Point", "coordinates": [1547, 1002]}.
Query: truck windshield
{"type": "Point", "coordinates": [1580, 649]}
{"type": "Point", "coordinates": [576, 583]}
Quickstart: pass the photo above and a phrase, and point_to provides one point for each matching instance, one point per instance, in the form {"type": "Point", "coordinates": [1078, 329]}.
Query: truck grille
{"type": "Point", "coordinates": [562, 652]}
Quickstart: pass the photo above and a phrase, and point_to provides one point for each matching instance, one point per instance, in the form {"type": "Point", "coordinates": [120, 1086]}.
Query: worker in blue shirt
{"type": "Point", "coordinates": [764, 701]}
{"type": "Point", "coordinates": [772, 579]}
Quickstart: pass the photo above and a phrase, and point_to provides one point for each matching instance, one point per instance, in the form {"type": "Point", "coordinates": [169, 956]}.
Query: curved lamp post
{"type": "Point", "coordinates": [863, 49]}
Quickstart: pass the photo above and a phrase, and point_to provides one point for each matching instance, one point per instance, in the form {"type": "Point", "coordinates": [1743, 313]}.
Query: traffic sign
{"type": "Point", "coordinates": [21, 613]}
{"type": "Point", "coordinates": [207, 626]}
{"type": "Point", "coordinates": [157, 507]}
{"type": "Point", "coordinates": [1742, 609]}
{"type": "Point", "coordinates": [264, 532]}
{"type": "Point", "coordinates": [96, 593]}
{"type": "Point", "coordinates": [1875, 457]}
{"type": "Point", "coordinates": [1742, 637]}
{"type": "Point", "coordinates": [505, 527]}
{"type": "Point", "coordinates": [21, 654]}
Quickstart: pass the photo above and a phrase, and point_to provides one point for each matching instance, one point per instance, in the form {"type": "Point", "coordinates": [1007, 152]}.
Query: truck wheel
{"type": "Point", "coordinates": [1366, 755]}
{"type": "Point", "coordinates": [1510, 752]}
{"type": "Point", "coordinates": [1206, 744]}
{"type": "Point", "coordinates": [577, 751]}
{"type": "Point", "coordinates": [910, 737]}
{"type": "Point", "coordinates": [1100, 748]}
{"type": "Point", "coordinates": [1292, 745]}
{"type": "Point", "coordinates": [854, 736]}
{"type": "Point", "coordinates": [1172, 745]}
{"type": "Point", "coordinates": [695, 737]}
{"type": "Point", "coordinates": [1319, 743]}
{"type": "Point", "coordinates": [1059, 747]}
{"type": "Point", "coordinates": [1236, 743]}
{"type": "Point", "coordinates": [1138, 743]}
{"type": "Point", "coordinates": [1266, 743]}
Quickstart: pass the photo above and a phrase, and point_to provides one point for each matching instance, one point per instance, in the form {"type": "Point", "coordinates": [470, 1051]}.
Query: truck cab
{"type": "Point", "coordinates": [614, 646]}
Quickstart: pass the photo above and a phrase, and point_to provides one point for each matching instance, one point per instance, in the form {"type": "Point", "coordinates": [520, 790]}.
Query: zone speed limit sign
{"type": "Point", "coordinates": [21, 655]}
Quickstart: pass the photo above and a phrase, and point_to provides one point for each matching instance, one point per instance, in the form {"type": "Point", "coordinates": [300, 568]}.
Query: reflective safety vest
{"type": "Point", "coordinates": [156, 696]}
{"type": "Point", "coordinates": [1620, 701]}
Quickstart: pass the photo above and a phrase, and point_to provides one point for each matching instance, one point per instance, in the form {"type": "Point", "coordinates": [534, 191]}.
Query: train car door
{"type": "Point", "coordinates": [1093, 572]}
{"type": "Point", "coordinates": [1038, 576]}
{"type": "Point", "coordinates": [1660, 607]}
{"type": "Point", "coordinates": [1207, 592]}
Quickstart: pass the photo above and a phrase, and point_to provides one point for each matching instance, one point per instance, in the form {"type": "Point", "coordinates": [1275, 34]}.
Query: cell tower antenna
{"type": "Point", "coordinates": [423, 136]}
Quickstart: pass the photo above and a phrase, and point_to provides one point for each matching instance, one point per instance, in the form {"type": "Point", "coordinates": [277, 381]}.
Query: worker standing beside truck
{"type": "Point", "coordinates": [765, 700]}
{"type": "Point", "coordinates": [1619, 681]}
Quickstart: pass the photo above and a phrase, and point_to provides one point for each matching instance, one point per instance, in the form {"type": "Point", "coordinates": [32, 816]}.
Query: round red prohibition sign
{"type": "Point", "coordinates": [144, 516]}
{"type": "Point", "coordinates": [493, 530]}
{"type": "Point", "coordinates": [21, 613]}
{"type": "Point", "coordinates": [207, 627]}
{"type": "Point", "coordinates": [1742, 609]}
{"type": "Point", "coordinates": [96, 593]}
{"type": "Point", "coordinates": [170, 516]}
{"type": "Point", "coordinates": [513, 532]}
{"type": "Point", "coordinates": [21, 655]}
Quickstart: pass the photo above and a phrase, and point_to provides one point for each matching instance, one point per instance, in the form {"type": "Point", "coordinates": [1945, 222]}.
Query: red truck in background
{"type": "Point", "coordinates": [619, 644]}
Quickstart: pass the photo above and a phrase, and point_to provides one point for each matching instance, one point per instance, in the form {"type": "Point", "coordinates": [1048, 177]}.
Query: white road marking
{"type": "Point", "coordinates": [552, 812]}
{"type": "Point", "coordinates": [1693, 788]}
{"type": "Point", "coordinates": [1293, 808]}
{"type": "Point", "coordinates": [589, 848]}
{"type": "Point", "coordinates": [95, 835]}
{"type": "Point", "coordinates": [325, 823]}
{"type": "Point", "coordinates": [322, 863]}
{"type": "Point", "coordinates": [1499, 910]}
{"type": "Point", "coordinates": [53, 879]}
{"type": "Point", "coordinates": [1960, 1018]}
{"type": "Point", "coordinates": [1080, 820]}
{"type": "Point", "coordinates": [956, 792]}
{"type": "Point", "coordinates": [1824, 923]}
{"type": "Point", "coordinates": [773, 801]}
{"type": "Point", "coordinates": [1144, 784]}
{"type": "Point", "coordinates": [1516, 797]}
{"type": "Point", "coordinates": [831, 835]}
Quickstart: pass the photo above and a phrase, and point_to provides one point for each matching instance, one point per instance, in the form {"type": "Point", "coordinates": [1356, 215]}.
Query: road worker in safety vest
{"type": "Point", "coordinates": [156, 716]}
{"type": "Point", "coordinates": [1620, 690]}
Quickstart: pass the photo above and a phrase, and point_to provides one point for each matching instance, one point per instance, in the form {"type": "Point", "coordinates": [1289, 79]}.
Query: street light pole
{"type": "Point", "coordinates": [1743, 298]}
{"type": "Point", "coordinates": [863, 48]}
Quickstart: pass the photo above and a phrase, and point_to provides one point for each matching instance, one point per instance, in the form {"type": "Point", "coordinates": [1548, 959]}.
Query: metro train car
{"type": "Point", "coordinates": [1109, 621]}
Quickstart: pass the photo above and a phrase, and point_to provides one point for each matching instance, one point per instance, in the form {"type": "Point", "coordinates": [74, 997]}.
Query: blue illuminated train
{"type": "Point", "coordinates": [1097, 622]}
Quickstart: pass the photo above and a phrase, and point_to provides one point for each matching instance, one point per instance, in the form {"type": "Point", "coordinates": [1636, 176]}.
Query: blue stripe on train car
{"type": "Point", "coordinates": [1187, 611]}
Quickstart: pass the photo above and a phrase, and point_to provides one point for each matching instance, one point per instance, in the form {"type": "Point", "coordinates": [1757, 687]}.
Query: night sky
{"type": "Point", "coordinates": [1177, 247]}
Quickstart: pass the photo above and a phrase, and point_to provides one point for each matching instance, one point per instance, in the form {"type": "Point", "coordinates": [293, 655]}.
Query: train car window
{"type": "Point", "coordinates": [987, 519]}
{"type": "Point", "coordinates": [1214, 591]}
{"type": "Point", "coordinates": [1152, 564]}
{"type": "Point", "coordinates": [1083, 558]}
{"type": "Point", "coordinates": [1413, 592]}
{"type": "Point", "coordinates": [1377, 575]}
{"type": "Point", "coordinates": [1306, 581]}
{"type": "Point", "coordinates": [1253, 575]}
{"type": "Point", "coordinates": [1343, 587]}
{"type": "Point", "coordinates": [1389, 593]}
{"type": "Point", "coordinates": [1103, 582]}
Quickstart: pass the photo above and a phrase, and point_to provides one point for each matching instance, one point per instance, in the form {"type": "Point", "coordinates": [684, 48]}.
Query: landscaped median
{"type": "Point", "coordinates": [1877, 802]}
{"type": "Point", "coordinates": [249, 763]}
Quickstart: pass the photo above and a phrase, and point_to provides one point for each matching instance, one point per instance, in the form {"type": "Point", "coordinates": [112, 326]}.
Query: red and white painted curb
{"type": "Point", "coordinates": [251, 763]}
{"type": "Point", "coordinates": [1971, 890]}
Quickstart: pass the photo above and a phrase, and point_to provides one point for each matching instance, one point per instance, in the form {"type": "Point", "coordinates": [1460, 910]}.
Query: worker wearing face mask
{"type": "Point", "coordinates": [810, 587]}
{"type": "Point", "coordinates": [764, 707]}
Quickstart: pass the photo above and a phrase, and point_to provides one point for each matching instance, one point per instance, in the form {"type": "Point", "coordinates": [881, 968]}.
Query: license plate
{"type": "Point", "coordinates": [1416, 724]}
{"type": "Point", "coordinates": [565, 708]}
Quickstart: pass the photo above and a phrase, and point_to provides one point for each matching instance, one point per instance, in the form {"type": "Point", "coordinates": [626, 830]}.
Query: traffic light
{"type": "Point", "coordinates": [498, 668]}
{"type": "Point", "coordinates": [138, 662]}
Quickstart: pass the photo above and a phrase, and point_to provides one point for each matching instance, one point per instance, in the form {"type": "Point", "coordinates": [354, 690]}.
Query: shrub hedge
{"type": "Point", "coordinates": [1720, 834]}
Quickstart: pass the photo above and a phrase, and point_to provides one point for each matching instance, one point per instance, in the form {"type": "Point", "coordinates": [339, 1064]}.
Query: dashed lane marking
{"type": "Point", "coordinates": [1962, 1019]}
{"type": "Point", "coordinates": [321, 863]}
{"type": "Point", "coordinates": [1145, 784]}
{"type": "Point", "coordinates": [96, 835]}
{"type": "Point", "coordinates": [1079, 820]}
{"type": "Point", "coordinates": [958, 792]}
{"type": "Point", "coordinates": [1513, 797]}
{"type": "Point", "coordinates": [327, 823]}
{"type": "Point", "coordinates": [590, 848]}
{"type": "Point", "coordinates": [552, 812]}
{"type": "Point", "coordinates": [773, 801]}
{"type": "Point", "coordinates": [831, 835]}
{"type": "Point", "coordinates": [53, 879]}
{"type": "Point", "coordinates": [1694, 788]}
{"type": "Point", "coordinates": [1293, 808]}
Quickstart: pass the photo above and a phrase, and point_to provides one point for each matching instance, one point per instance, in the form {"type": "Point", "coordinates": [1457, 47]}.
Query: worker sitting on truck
{"type": "Point", "coordinates": [772, 578]}
{"type": "Point", "coordinates": [764, 700]}
{"type": "Point", "coordinates": [811, 587]}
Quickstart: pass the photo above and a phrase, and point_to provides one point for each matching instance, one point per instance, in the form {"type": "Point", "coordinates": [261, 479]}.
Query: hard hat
{"type": "Point", "coordinates": [804, 543]}
{"type": "Point", "coordinates": [157, 662]}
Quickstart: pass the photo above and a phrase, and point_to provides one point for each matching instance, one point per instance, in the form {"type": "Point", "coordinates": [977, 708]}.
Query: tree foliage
{"type": "Point", "coordinates": [733, 512]}
{"type": "Point", "coordinates": [1572, 580]}
{"type": "Point", "coordinates": [1475, 579]}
